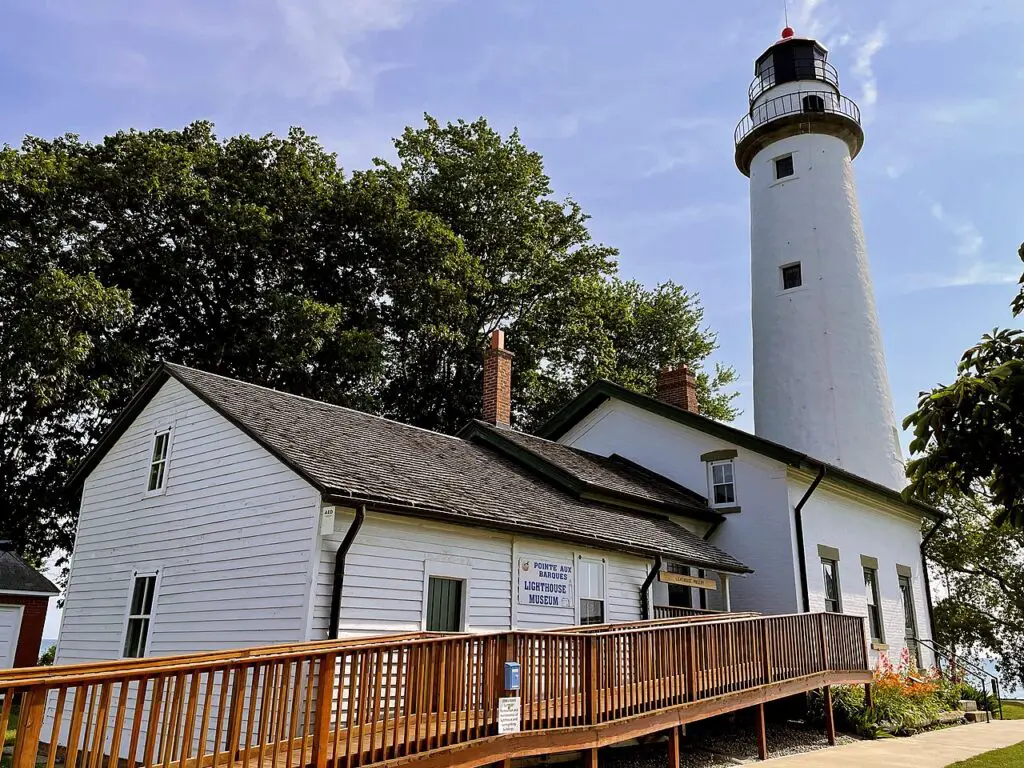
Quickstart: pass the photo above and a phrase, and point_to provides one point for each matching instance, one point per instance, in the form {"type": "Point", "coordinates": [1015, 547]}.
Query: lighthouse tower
{"type": "Point", "coordinates": [820, 382]}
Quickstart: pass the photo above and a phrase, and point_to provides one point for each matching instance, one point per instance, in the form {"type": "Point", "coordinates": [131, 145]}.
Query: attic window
{"type": "Point", "coordinates": [721, 482]}
{"type": "Point", "coordinates": [158, 462]}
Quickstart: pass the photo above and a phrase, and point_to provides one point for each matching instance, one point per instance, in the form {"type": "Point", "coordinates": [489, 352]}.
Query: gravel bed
{"type": "Point", "coordinates": [724, 746]}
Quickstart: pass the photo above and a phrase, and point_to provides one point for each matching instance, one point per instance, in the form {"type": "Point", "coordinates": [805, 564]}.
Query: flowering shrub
{"type": "Point", "coordinates": [905, 699]}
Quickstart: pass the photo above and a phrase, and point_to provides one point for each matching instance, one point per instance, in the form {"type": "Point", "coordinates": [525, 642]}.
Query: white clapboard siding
{"type": "Point", "coordinates": [387, 565]}
{"type": "Point", "coordinates": [624, 575]}
{"type": "Point", "coordinates": [386, 568]}
{"type": "Point", "coordinates": [232, 539]}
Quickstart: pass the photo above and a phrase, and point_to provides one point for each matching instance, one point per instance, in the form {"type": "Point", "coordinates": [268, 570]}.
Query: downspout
{"type": "Point", "coordinates": [927, 581]}
{"type": "Point", "coordinates": [798, 520]}
{"type": "Point", "coordinates": [645, 598]}
{"type": "Point", "coordinates": [339, 571]}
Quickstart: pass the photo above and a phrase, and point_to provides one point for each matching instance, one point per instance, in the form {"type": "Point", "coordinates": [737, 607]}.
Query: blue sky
{"type": "Point", "coordinates": [632, 105]}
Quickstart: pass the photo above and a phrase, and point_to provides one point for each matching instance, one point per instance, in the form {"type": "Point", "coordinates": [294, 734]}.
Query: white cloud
{"type": "Point", "coordinates": [866, 51]}
{"type": "Point", "coordinates": [303, 49]}
{"type": "Point", "coordinates": [968, 248]}
{"type": "Point", "coordinates": [685, 141]}
{"type": "Point", "coordinates": [896, 168]}
{"type": "Point", "coordinates": [807, 19]}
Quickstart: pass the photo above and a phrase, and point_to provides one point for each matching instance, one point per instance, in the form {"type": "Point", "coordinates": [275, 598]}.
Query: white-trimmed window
{"type": "Point", "coordinates": [157, 478]}
{"type": "Point", "coordinates": [830, 577]}
{"type": "Point", "coordinates": [140, 613]}
{"type": "Point", "coordinates": [722, 483]}
{"type": "Point", "coordinates": [874, 605]}
{"type": "Point", "coordinates": [590, 586]}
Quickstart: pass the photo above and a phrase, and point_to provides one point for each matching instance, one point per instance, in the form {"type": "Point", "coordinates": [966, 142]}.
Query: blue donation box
{"type": "Point", "coordinates": [512, 674]}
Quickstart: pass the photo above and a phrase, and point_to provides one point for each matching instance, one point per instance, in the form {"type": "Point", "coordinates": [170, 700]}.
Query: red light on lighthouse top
{"type": "Point", "coordinates": [787, 33]}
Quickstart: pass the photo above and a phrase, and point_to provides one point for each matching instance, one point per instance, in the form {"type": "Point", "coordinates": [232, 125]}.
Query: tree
{"type": "Point", "coordinates": [258, 258]}
{"type": "Point", "coordinates": [529, 264]}
{"type": "Point", "coordinates": [57, 362]}
{"type": "Point", "coordinates": [969, 435]}
{"type": "Point", "coordinates": [980, 568]}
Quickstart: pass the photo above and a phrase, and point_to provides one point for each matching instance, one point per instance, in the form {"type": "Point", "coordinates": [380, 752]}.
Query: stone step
{"type": "Point", "coordinates": [976, 717]}
{"type": "Point", "coordinates": [968, 705]}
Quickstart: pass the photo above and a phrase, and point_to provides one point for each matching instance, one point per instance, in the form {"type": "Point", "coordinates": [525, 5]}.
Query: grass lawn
{"type": "Point", "coordinates": [1013, 710]}
{"type": "Point", "coordinates": [1009, 757]}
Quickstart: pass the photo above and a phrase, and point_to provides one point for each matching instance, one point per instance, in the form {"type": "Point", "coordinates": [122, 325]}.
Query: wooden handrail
{"type": "Point", "coordinates": [363, 701]}
{"type": "Point", "coordinates": [15, 675]}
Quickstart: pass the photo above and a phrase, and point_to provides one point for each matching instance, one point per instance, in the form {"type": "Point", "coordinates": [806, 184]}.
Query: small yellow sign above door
{"type": "Point", "coordinates": [686, 581]}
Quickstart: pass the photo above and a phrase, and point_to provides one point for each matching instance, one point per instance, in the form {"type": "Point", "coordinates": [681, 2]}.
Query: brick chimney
{"type": "Point", "coordinates": [497, 407]}
{"type": "Point", "coordinates": [678, 386]}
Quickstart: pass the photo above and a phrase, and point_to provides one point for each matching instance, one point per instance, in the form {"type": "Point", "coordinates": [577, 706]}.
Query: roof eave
{"type": "Point", "coordinates": [118, 426]}
{"type": "Point", "coordinates": [580, 488]}
{"type": "Point", "coordinates": [443, 515]}
{"type": "Point", "coordinates": [601, 390]}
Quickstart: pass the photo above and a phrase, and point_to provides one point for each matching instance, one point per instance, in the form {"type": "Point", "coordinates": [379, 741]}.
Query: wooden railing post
{"type": "Point", "coordinates": [30, 725]}
{"type": "Point", "coordinates": [691, 664]}
{"type": "Point", "coordinates": [324, 707]}
{"type": "Point", "coordinates": [824, 642]}
{"type": "Point", "coordinates": [766, 654]}
{"type": "Point", "coordinates": [830, 721]}
{"type": "Point", "coordinates": [237, 706]}
{"type": "Point", "coordinates": [592, 673]}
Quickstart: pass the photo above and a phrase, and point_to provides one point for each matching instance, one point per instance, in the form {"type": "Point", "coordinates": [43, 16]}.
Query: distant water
{"type": "Point", "coordinates": [1007, 693]}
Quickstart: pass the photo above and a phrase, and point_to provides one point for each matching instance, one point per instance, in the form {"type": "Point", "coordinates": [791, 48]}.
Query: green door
{"type": "Point", "coordinates": [444, 605]}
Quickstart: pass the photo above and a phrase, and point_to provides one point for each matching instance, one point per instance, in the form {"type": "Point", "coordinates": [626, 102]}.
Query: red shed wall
{"type": "Point", "coordinates": [32, 620]}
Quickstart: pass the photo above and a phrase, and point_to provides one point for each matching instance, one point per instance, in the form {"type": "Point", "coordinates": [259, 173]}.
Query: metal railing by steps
{"type": "Point", "coordinates": [419, 697]}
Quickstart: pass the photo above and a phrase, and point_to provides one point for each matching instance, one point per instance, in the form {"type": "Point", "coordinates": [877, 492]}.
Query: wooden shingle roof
{"type": "Point", "coordinates": [354, 457]}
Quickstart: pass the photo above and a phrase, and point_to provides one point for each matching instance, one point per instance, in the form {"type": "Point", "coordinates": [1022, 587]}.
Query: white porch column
{"type": "Point", "coordinates": [726, 600]}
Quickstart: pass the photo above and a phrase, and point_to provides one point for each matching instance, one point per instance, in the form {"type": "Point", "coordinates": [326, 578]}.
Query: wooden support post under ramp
{"type": "Point", "coordinates": [869, 696]}
{"type": "Point", "coordinates": [762, 735]}
{"type": "Point", "coordinates": [590, 758]}
{"type": "Point", "coordinates": [673, 748]}
{"type": "Point", "coordinates": [830, 721]}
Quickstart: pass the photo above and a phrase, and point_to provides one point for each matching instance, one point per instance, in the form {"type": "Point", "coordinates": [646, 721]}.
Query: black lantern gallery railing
{"type": "Point", "coordinates": [805, 70]}
{"type": "Point", "coordinates": [804, 102]}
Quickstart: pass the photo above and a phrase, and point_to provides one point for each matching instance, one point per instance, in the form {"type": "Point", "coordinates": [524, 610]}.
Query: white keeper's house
{"type": "Point", "coordinates": [219, 514]}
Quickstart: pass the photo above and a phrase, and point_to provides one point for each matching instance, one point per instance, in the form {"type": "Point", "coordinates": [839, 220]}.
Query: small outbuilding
{"type": "Point", "coordinates": [24, 596]}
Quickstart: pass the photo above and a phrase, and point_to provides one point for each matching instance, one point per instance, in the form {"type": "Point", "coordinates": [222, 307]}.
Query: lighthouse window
{"type": "Point", "coordinates": [814, 103]}
{"type": "Point", "coordinates": [783, 167]}
{"type": "Point", "coordinates": [791, 277]}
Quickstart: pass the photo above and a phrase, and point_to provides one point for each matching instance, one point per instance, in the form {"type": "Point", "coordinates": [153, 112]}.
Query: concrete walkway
{"type": "Point", "coordinates": [935, 749]}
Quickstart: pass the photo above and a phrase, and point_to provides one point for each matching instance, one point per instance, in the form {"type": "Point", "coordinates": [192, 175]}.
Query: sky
{"type": "Point", "coordinates": [632, 105]}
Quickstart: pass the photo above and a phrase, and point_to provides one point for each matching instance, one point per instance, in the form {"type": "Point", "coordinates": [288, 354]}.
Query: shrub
{"type": "Point", "coordinates": [905, 699]}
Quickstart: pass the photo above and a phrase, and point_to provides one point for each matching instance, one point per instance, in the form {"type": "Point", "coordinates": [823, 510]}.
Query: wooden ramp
{"type": "Point", "coordinates": [422, 698]}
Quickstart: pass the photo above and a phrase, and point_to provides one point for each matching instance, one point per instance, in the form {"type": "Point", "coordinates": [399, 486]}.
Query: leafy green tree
{"type": "Point", "coordinates": [979, 565]}
{"type": "Point", "coordinates": [259, 258]}
{"type": "Point", "coordinates": [528, 263]}
{"type": "Point", "coordinates": [969, 435]}
{"type": "Point", "coordinates": [46, 657]}
{"type": "Point", "coordinates": [57, 364]}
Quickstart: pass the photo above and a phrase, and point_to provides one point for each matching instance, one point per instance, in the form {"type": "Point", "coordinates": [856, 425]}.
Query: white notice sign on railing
{"type": "Point", "coordinates": [509, 714]}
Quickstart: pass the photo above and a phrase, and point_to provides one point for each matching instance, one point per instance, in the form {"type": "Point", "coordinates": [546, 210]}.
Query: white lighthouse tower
{"type": "Point", "coordinates": [820, 381]}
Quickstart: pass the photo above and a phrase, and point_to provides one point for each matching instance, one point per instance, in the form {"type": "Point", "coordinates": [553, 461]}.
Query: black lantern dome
{"type": "Point", "coordinates": [815, 104]}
